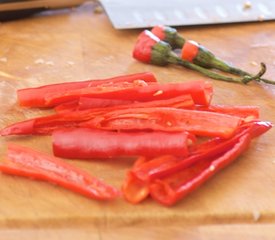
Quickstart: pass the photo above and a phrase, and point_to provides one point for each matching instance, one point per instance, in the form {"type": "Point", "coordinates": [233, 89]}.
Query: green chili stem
{"type": "Point", "coordinates": [174, 59]}
{"type": "Point", "coordinates": [220, 65]}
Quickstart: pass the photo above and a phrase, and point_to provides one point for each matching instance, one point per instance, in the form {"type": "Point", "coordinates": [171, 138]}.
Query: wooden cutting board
{"type": "Point", "coordinates": [80, 44]}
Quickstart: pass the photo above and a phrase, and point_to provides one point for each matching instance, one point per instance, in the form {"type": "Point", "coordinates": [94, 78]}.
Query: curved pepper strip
{"type": "Point", "coordinates": [35, 97]}
{"type": "Point", "coordinates": [173, 188]}
{"type": "Point", "coordinates": [85, 143]}
{"type": "Point", "coordinates": [25, 162]}
{"type": "Point", "coordinates": [73, 118]}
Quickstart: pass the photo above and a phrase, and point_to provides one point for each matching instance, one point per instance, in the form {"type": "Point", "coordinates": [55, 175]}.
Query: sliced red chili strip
{"type": "Point", "coordinates": [168, 119]}
{"type": "Point", "coordinates": [25, 162]}
{"type": "Point", "coordinates": [72, 118]}
{"type": "Point", "coordinates": [134, 190]}
{"type": "Point", "coordinates": [200, 91]}
{"type": "Point", "coordinates": [35, 97]}
{"type": "Point", "coordinates": [85, 143]}
{"type": "Point", "coordinates": [246, 112]}
{"type": "Point", "coordinates": [84, 103]}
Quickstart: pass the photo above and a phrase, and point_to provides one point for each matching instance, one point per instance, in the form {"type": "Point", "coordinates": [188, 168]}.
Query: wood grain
{"type": "Point", "coordinates": [78, 45]}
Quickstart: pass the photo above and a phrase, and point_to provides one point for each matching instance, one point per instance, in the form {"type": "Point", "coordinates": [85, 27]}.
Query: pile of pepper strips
{"type": "Point", "coordinates": [179, 138]}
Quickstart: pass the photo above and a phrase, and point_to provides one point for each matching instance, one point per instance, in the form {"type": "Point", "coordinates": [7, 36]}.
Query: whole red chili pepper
{"type": "Point", "coordinates": [174, 187]}
{"type": "Point", "coordinates": [85, 143]}
{"type": "Point", "coordinates": [167, 119]}
{"type": "Point", "coordinates": [150, 49]}
{"type": "Point", "coordinates": [25, 162]}
{"type": "Point", "coordinates": [35, 97]}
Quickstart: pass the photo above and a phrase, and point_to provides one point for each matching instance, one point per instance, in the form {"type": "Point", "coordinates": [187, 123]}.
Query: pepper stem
{"type": "Point", "coordinates": [220, 65]}
{"type": "Point", "coordinates": [174, 59]}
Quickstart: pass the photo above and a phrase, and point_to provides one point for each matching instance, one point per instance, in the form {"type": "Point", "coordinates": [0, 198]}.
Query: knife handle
{"type": "Point", "coordinates": [14, 9]}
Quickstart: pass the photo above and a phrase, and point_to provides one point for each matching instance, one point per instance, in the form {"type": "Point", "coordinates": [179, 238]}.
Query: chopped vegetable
{"type": "Point", "coordinates": [201, 123]}
{"type": "Point", "coordinates": [35, 97]}
{"type": "Point", "coordinates": [170, 178]}
{"type": "Point", "coordinates": [47, 124]}
{"type": "Point", "coordinates": [201, 92]}
{"type": "Point", "coordinates": [85, 143]}
{"type": "Point", "coordinates": [161, 124]}
{"type": "Point", "coordinates": [171, 189]}
{"type": "Point", "coordinates": [25, 162]}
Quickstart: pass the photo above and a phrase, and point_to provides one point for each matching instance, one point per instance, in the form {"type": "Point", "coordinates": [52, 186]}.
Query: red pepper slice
{"type": "Point", "coordinates": [35, 97]}
{"type": "Point", "coordinates": [72, 118]}
{"type": "Point", "coordinates": [168, 119]}
{"type": "Point", "coordinates": [25, 162]}
{"type": "Point", "coordinates": [183, 101]}
{"type": "Point", "coordinates": [249, 113]}
{"type": "Point", "coordinates": [85, 143]}
{"type": "Point", "coordinates": [134, 190]}
{"type": "Point", "coordinates": [200, 91]}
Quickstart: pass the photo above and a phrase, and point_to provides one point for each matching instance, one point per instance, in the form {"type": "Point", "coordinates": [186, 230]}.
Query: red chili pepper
{"type": "Point", "coordinates": [168, 119]}
{"type": "Point", "coordinates": [150, 49]}
{"type": "Point", "coordinates": [147, 170]}
{"type": "Point", "coordinates": [25, 162]}
{"type": "Point", "coordinates": [196, 53]}
{"type": "Point", "coordinates": [135, 190]}
{"type": "Point", "coordinates": [72, 118]}
{"type": "Point", "coordinates": [85, 143]}
{"type": "Point", "coordinates": [201, 92]}
{"type": "Point", "coordinates": [168, 34]}
{"type": "Point", "coordinates": [189, 51]}
{"type": "Point", "coordinates": [88, 103]}
{"type": "Point", "coordinates": [164, 166]}
{"type": "Point", "coordinates": [84, 103]}
{"type": "Point", "coordinates": [172, 188]}
{"type": "Point", "coordinates": [247, 112]}
{"type": "Point", "coordinates": [35, 97]}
